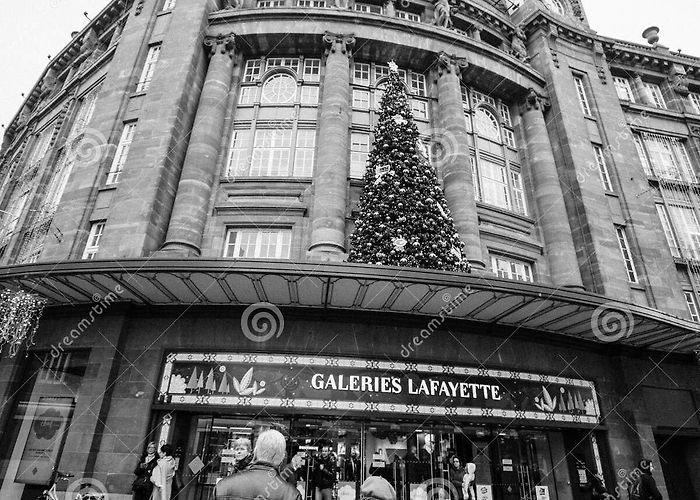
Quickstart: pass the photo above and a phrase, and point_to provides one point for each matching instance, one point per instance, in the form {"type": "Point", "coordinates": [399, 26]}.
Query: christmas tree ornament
{"type": "Point", "coordinates": [400, 120]}
{"type": "Point", "coordinates": [393, 67]}
{"type": "Point", "coordinates": [399, 243]}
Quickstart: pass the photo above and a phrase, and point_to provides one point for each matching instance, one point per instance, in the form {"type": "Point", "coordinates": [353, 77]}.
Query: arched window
{"type": "Point", "coordinates": [487, 124]}
{"type": "Point", "coordinates": [555, 6]}
{"type": "Point", "coordinates": [279, 89]}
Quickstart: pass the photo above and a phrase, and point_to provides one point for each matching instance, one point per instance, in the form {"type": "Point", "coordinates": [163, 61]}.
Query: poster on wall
{"type": "Point", "coordinates": [542, 492]}
{"type": "Point", "coordinates": [48, 425]}
{"type": "Point", "coordinates": [292, 381]}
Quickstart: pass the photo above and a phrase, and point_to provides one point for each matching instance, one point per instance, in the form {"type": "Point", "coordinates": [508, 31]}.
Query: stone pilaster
{"type": "Point", "coordinates": [330, 181]}
{"type": "Point", "coordinates": [549, 197]}
{"type": "Point", "coordinates": [191, 205]}
{"type": "Point", "coordinates": [456, 169]}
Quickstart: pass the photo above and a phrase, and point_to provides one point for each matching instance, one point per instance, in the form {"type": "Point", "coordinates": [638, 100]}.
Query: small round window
{"type": "Point", "coordinates": [279, 89]}
{"type": "Point", "coordinates": [486, 124]}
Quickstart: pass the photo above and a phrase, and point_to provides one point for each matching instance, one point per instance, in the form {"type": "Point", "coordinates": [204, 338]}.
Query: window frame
{"type": "Point", "coordinates": [582, 93]}
{"type": "Point", "coordinates": [281, 232]}
{"type": "Point", "coordinates": [603, 170]}
{"type": "Point", "coordinates": [692, 305]}
{"type": "Point", "coordinates": [695, 101]}
{"type": "Point", "coordinates": [121, 155]}
{"type": "Point", "coordinates": [657, 97]}
{"type": "Point", "coordinates": [92, 245]}
{"type": "Point", "coordinates": [624, 86]}
{"type": "Point", "coordinates": [511, 273]}
{"type": "Point", "coordinates": [149, 68]}
{"type": "Point", "coordinates": [626, 252]}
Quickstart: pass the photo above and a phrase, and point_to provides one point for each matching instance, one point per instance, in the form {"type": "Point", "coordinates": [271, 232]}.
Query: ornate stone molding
{"type": "Point", "coordinates": [338, 42]}
{"type": "Point", "coordinates": [224, 44]}
{"type": "Point", "coordinates": [449, 63]}
{"type": "Point", "coordinates": [534, 100]}
{"type": "Point", "coordinates": [678, 79]}
{"type": "Point", "coordinates": [695, 130]}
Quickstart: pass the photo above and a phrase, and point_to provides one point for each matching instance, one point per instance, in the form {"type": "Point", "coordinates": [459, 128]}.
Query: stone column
{"type": "Point", "coordinates": [191, 204]}
{"type": "Point", "coordinates": [332, 170]}
{"type": "Point", "coordinates": [456, 168]}
{"type": "Point", "coordinates": [549, 197]}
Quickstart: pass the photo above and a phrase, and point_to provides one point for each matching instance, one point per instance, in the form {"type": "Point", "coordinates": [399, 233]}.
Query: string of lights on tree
{"type": "Point", "coordinates": [403, 216]}
{"type": "Point", "coordinates": [20, 312]}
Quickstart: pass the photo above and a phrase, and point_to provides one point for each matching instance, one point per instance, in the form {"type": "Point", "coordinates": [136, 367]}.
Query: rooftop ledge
{"type": "Point", "coordinates": [343, 286]}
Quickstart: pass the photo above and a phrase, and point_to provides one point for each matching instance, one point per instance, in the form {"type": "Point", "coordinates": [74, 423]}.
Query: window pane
{"type": "Point", "coordinates": [304, 156]}
{"type": "Point", "coordinates": [252, 70]}
{"type": "Point", "coordinates": [494, 184]}
{"type": "Point", "coordinates": [359, 152]}
{"type": "Point", "coordinates": [238, 154]}
{"type": "Point", "coordinates": [258, 244]}
{"type": "Point", "coordinates": [487, 124]}
{"type": "Point", "coordinates": [271, 150]}
{"type": "Point", "coordinates": [361, 74]}
{"type": "Point", "coordinates": [309, 94]}
{"type": "Point", "coordinates": [279, 89]}
{"type": "Point", "coordinates": [248, 95]}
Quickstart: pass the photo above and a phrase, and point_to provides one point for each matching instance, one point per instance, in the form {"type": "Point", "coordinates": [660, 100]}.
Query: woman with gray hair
{"type": "Point", "coordinates": [242, 454]}
{"type": "Point", "coordinates": [261, 479]}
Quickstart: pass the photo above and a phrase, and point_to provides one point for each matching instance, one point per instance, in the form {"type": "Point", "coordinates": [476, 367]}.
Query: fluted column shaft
{"type": "Point", "coordinates": [330, 181]}
{"type": "Point", "coordinates": [549, 197]}
{"type": "Point", "coordinates": [457, 173]}
{"type": "Point", "coordinates": [189, 213]}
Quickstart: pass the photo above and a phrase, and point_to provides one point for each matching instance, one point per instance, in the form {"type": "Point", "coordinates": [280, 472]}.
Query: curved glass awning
{"type": "Point", "coordinates": [342, 286]}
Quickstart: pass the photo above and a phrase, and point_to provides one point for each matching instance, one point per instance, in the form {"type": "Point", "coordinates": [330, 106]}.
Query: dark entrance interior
{"type": "Point", "coordinates": [680, 462]}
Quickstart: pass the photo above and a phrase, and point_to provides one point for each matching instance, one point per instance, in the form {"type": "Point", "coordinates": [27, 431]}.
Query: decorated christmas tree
{"type": "Point", "coordinates": [403, 219]}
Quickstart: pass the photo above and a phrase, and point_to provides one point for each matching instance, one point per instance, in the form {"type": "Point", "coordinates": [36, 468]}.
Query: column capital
{"type": "Point", "coordinates": [534, 100]}
{"type": "Point", "coordinates": [449, 63]}
{"type": "Point", "coordinates": [335, 42]}
{"type": "Point", "coordinates": [224, 44]}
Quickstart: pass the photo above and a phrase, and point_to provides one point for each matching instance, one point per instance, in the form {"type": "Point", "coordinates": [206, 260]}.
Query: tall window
{"type": "Point", "coordinates": [497, 175]}
{"type": "Point", "coordinates": [93, 243]}
{"type": "Point", "coordinates": [121, 154]}
{"type": "Point", "coordinates": [359, 153]}
{"type": "Point", "coordinates": [169, 4]}
{"type": "Point", "coordinates": [664, 157]}
{"type": "Point", "coordinates": [582, 95]}
{"type": "Point", "coordinates": [657, 98]}
{"type": "Point", "coordinates": [623, 88]}
{"type": "Point", "coordinates": [692, 305]}
{"type": "Point", "coordinates": [512, 269]}
{"type": "Point", "coordinates": [602, 167]}
{"type": "Point", "coordinates": [148, 68]}
{"type": "Point", "coordinates": [682, 230]}
{"type": "Point", "coordinates": [668, 230]}
{"type": "Point", "coordinates": [258, 243]}
{"type": "Point", "coordinates": [626, 254]}
{"type": "Point", "coordinates": [695, 101]}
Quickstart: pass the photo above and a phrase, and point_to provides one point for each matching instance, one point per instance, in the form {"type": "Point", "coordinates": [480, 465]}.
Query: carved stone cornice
{"type": "Point", "coordinates": [451, 63]}
{"type": "Point", "coordinates": [534, 100]}
{"type": "Point", "coordinates": [695, 130]}
{"type": "Point", "coordinates": [224, 44]}
{"type": "Point", "coordinates": [335, 42]}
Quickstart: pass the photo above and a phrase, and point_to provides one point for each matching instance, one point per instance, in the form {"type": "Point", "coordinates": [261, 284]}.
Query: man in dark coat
{"type": "Point", "coordinates": [324, 473]}
{"type": "Point", "coordinates": [644, 488]}
{"type": "Point", "coordinates": [261, 479]}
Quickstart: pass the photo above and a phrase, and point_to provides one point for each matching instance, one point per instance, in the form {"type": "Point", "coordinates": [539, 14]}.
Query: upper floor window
{"type": "Point", "coordinates": [681, 228]}
{"type": "Point", "coordinates": [486, 124]}
{"type": "Point", "coordinates": [623, 88]}
{"type": "Point", "coordinates": [122, 153]}
{"type": "Point", "coordinates": [369, 7]}
{"type": "Point", "coordinates": [311, 3]}
{"type": "Point", "coordinates": [695, 101]}
{"type": "Point", "coordinates": [169, 4]}
{"type": "Point", "coordinates": [664, 157]}
{"type": "Point", "coordinates": [359, 153]}
{"type": "Point", "coordinates": [273, 152]}
{"type": "Point", "coordinates": [555, 6]}
{"type": "Point", "coordinates": [602, 167]}
{"type": "Point", "coordinates": [626, 254]}
{"type": "Point", "coordinates": [409, 16]}
{"type": "Point", "coordinates": [270, 3]}
{"type": "Point", "coordinates": [279, 89]}
{"type": "Point", "coordinates": [369, 82]}
{"type": "Point", "coordinates": [148, 68]}
{"type": "Point", "coordinates": [93, 243]}
{"type": "Point", "coordinates": [582, 95]}
{"type": "Point", "coordinates": [692, 305]}
{"type": "Point", "coordinates": [657, 98]}
{"type": "Point", "coordinates": [258, 243]}
{"type": "Point", "coordinates": [41, 147]}
{"type": "Point", "coordinates": [512, 269]}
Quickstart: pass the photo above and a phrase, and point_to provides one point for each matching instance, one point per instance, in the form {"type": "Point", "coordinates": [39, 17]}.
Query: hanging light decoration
{"type": "Point", "coordinates": [20, 312]}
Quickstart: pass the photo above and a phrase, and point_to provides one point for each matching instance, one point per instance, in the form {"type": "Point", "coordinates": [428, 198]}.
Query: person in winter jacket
{"type": "Point", "coordinates": [644, 488]}
{"type": "Point", "coordinates": [457, 476]}
{"type": "Point", "coordinates": [163, 474]}
{"type": "Point", "coordinates": [242, 453]}
{"type": "Point", "coordinates": [142, 486]}
{"type": "Point", "coordinates": [325, 474]}
{"type": "Point", "coordinates": [377, 488]}
{"type": "Point", "coordinates": [261, 479]}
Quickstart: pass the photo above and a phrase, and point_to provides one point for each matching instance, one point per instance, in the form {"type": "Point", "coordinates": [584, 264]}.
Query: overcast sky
{"type": "Point", "coordinates": [32, 29]}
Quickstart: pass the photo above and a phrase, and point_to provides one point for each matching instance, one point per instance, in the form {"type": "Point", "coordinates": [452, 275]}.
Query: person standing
{"type": "Point", "coordinates": [644, 488]}
{"type": "Point", "coordinates": [261, 478]}
{"type": "Point", "coordinates": [242, 453]}
{"type": "Point", "coordinates": [324, 474]}
{"type": "Point", "coordinates": [142, 486]}
{"type": "Point", "coordinates": [163, 474]}
{"type": "Point", "coordinates": [457, 476]}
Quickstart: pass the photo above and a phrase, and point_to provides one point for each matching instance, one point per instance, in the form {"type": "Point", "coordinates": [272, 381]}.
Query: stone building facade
{"type": "Point", "coordinates": [186, 172]}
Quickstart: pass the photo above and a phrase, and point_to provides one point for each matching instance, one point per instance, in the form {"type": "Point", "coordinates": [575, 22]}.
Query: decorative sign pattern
{"type": "Point", "coordinates": [361, 385]}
